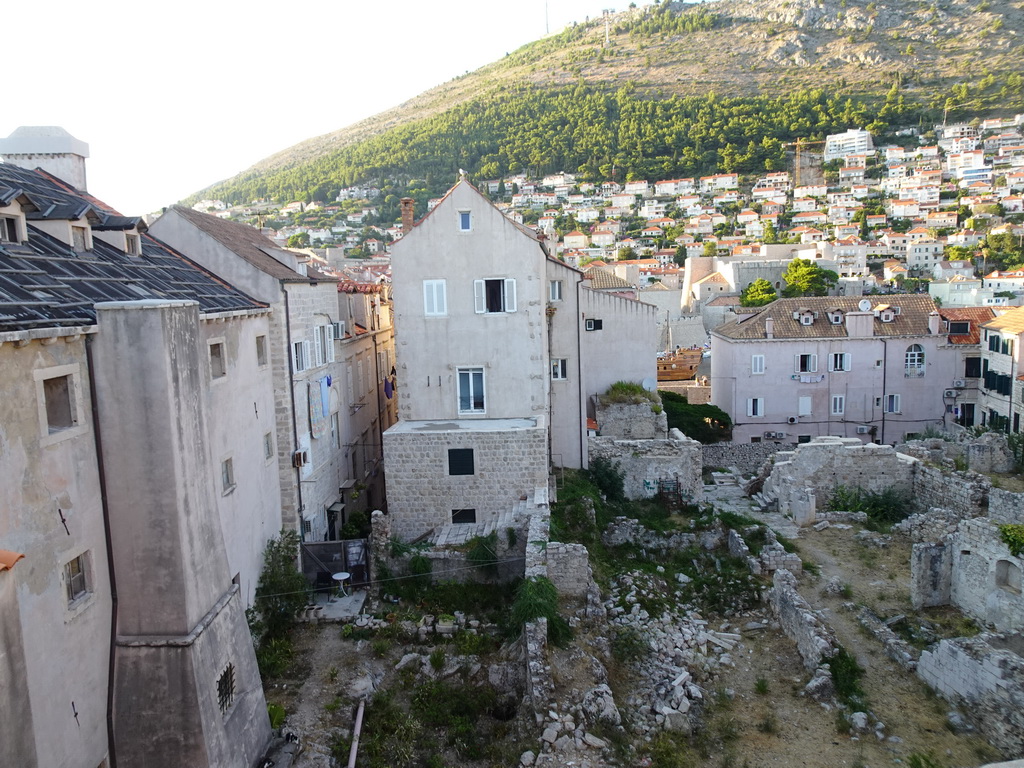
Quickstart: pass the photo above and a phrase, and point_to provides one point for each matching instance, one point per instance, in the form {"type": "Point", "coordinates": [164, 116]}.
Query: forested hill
{"type": "Point", "coordinates": [679, 90]}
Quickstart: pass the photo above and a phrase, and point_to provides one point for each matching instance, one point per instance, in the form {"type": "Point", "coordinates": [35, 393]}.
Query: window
{"type": "Point", "coordinates": [892, 404]}
{"type": "Point", "coordinates": [993, 343]}
{"type": "Point", "coordinates": [460, 461]}
{"type": "Point", "coordinates": [76, 578]}
{"type": "Point", "coordinates": [131, 244]}
{"type": "Point", "coordinates": [959, 328]}
{"type": "Point", "coordinates": [755, 406]}
{"type": "Point", "coordinates": [227, 475]}
{"type": "Point", "coordinates": [58, 393]}
{"type": "Point", "coordinates": [593, 325]}
{"type": "Point", "coordinates": [914, 359]}
{"type": "Point", "coordinates": [323, 344]}
{"type": "Point", "coordinates": [463, 516]}
{"type": "Point", "coordinates": [226, 688]}
{"type": "Point", "coordinates": [838, 405]}
{"type": "Point", "coordinates": [435, 298]}
{"type": "Point", "coordinates": [218, 365]}
{"type": "Point", "coordinates": [465, 221]}
{"type": "Point", "coordinates": [471, 390]}
{"type": "Point", "coordinates": [494, 296]}
{"type": "Point", "coordinates": [335, 430]}
{"type": "Point", "coordinates": [261, 351]}
{"type": "Point", "coordinates": [757, 364]}
{"type": "Point", "coordinates": [268, 446]}
{"type": "Point", "coordinates": [806, 363]}
{"type": "Point", "coordinates": [300, 356]}
{"type": "Point", "coordinates": [804, 405]}
{"type": "Point", "coordinates": [80, 238]}
{"type": "Point", "coordinates": [560, 369]}
{"type": "Point", "coordinates": [972, 368]}
{"type": "Point", "coordinates": [1008, 576]}
{"type": "Point", "coordinates": [555, 290]}
{"type": "Point", "coordinates": [839, 361]}
{"type": "Point", "coordinates": [9, 230]}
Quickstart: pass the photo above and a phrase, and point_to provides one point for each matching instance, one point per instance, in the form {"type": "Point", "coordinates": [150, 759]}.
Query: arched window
{"type": "Point", "coordinates": [915, 358]}
{"type": "Point", "coordinates": [1008, 576]}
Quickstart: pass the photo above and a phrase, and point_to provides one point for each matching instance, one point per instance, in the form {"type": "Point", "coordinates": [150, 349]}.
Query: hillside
{"type": "Point", "coordinates": [838, 59]}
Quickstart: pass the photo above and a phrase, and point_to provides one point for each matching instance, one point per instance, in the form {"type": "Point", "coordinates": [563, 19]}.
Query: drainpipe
{"type": "Point", "coordinates": [98, 442]}
{"type": "Point", "coordinates": [584, 459]}
{"type": "Point", "coordinates": [291, 398]}
{"type": "Point", "coordinates": [885, 364]}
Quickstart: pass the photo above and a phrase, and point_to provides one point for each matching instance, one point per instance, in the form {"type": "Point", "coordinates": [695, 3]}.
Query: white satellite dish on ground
{"type": "Point", "coordinates": [649, 384]}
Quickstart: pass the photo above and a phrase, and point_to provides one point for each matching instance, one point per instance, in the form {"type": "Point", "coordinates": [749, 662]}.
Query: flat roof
{"type": "Point", "coordinates": [464, 425]}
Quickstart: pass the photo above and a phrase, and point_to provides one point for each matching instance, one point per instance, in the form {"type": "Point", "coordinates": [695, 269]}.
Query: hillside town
{"type": "Point", "coordinates": [200, 402]}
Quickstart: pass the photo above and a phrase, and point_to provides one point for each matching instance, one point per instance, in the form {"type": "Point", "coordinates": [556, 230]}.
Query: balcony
{"type": "Point", "coordinates": [913, 373]}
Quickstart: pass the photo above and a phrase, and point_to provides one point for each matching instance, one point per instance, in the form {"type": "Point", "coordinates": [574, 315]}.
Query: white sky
{"type": "Point", "coordinates": [174, 96]}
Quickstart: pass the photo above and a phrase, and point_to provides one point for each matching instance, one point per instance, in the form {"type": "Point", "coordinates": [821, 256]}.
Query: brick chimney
{"type": "Point", "coordinates": [407, 214]}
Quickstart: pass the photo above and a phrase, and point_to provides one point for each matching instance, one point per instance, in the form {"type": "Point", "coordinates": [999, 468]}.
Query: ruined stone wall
{"type": "Point", "coordinates": [986, 578]}
{"type": "Point", "coordinates": [645, 462]}
{"type": "Point", "coordinates": [1005, 507]}
{"type": "Point", "coordinates": [984, 674]}
{"type": "Point", "coordinates": [814, 639]}
{"type": "Point", "coordinates": [631, 421]}
{"type": "Point", "coordinates": [930, 575]}
{"type": "Point", "coordinates": [569, 568]}
{"type": "Point", "coordinates": [934, 525]}
{"type": "Point", "coordinates": [746, 457]}
{"type": "Point", "coordinates": [540, 689]}
{"type": "Point", "coordinates": [964, 493]}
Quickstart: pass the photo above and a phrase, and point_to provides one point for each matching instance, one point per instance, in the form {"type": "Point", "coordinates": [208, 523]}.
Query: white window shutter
{"type": "Point", "coordinates": [441, 297]}
{"type": "Point", "coordinates": [510, 294]}
{"type": "Point", "coordinates": [750, 406]}
{"type": "Point", "coordinates": [329, 333]}
{"type": "Point", "coordinates": [831, 362]}
{"type": "Point", "coordinates": [307, 348]}
{"type": "Point", "coordinates": [318, 345]}
{"type": "Point", "coordinates": [814, 363]}
{"type": "Point", "coordinates": [796, 363]}
{"type": "Point", "coordinates": [847, 361]}
{"type": "Point", "coordinates": [480, 296]}
{"type": "Point", "coordinates": [429, 306]}
{"type": "Point", "coordinates": [295, 358]}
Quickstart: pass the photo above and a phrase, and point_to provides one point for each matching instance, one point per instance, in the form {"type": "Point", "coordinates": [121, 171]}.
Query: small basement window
{"type": "Point", "coordinates": [461, 516]}
{"type": "Point", "coordinates": [460, 461]}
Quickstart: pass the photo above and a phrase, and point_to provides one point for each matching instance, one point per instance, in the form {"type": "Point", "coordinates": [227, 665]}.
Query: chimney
{"type": "Point", "coordinates": [407, 215]}
{"type": "Point", "coordinates": [48, 147]}
{"type": "Point", "coordinates": [934, 323]}
{"type": "Point", "coordinates": [769, 327]}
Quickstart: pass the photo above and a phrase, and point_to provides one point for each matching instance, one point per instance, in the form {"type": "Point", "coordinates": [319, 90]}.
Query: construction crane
{"type": "Point", "coordinates": [799, 144]}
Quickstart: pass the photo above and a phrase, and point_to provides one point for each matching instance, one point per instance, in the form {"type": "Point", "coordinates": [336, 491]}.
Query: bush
{"type": "Point", "coordinates": [536, 598]}
{"type": "Point", "coordinates": [282, 590]}
{"type": "Point", "coordinates": [704, 423]}
{"type": "Point", "coordinates": [607, 476]}
{"type": "Point", "coordinates": [846, 675]}
{"type": "Point", "coordinates": [883, 508]}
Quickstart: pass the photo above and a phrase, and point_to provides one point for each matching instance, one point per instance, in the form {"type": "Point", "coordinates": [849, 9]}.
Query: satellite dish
{"type": "Point", "coordinates": [649, 384]}
{"type": "Point", "coordinates": [864, 305]}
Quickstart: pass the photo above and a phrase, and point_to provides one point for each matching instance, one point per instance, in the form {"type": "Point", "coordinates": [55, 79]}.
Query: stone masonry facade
{"type": "Point", "coordinates": [646, 462]}
{"type": "Point", "coordinates": [508, 464]}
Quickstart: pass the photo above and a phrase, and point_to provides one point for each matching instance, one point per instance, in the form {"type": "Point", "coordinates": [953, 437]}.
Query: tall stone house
{"type": "Point", "coordinates": [842, 366]}
{"type": "Point", "coordinates": [330, 348]}
{"type": "Point", "coordinates": [136, 406]}
{"type": "Point", "coordinates": [500, 347]}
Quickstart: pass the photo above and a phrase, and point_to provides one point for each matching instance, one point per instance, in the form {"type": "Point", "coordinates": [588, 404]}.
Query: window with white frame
{"type": "Point", "coordinates": [838, 405]}
{"type": "Point", "coordinates": [465, 221]}
{"type": "Point", "coordinates": [80, 240]}
{"type": "Point", "coordinates": [555, 290]}
{"type": "Point", "coordinates": [755, 406]}
{"type": "Point", "coordinates": [914, 358]}
{"type": "Point", "coordinates": [323, 344]}
{"type": "Point", "coordinates": [806, 363]}
{"type": "Point", "coordinates": [839, 361]}
{"type": "Point", "coordinates": [495, 295]}
{"type": "Point", "coordinates": [435, 298]}
{"type": "Point", "coordinates": [757, 364]}
{"type": "Point", "coordinates": [131, 244]}
{"type": "Point", "coordinates": [9, 230]}
{"type": "Point", "coordinates": [892, 404]}
{"type": "Point", "coordinates": [804, 405]}
{"type": "Point", "coordinates": [471, 390]}
{"type": "Point", "coordinates": [560, 369]}
{"type": "Point", "coordinates": [76, 577]}
{"type": "Point", "coordinates": [301, 359]}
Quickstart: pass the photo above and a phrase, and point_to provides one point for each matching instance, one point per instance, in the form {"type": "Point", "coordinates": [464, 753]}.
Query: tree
{"type": "Point", "coordinates": [757, 294]}
{"type": "Point", "coordinates": [299, 240]}
{"type": "Point", "coordinates": [626, 253]}
{"type": "Point", "coordinates": [680, 257]}
{"type": "Point", "coordinates": [805, 278]}
{"type": "Point", "coordinates": [710, 248]}
{"type": "Point", "coordinates": [770, 235]}
{"type": "Point", "coordinates": [282, 589]}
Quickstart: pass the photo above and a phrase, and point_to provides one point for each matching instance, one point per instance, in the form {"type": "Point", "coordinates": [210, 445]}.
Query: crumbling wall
{"type": "Point", "coordinates": [814, 639]}
{"type": "Point", "coordinates": [965, 493]}
{"type": "Point", "coordinates": [984, 675]}
{"type": "Point", "coordinates": [934, 525]}
{"type": "Point", "coordinates": [627, 530]}
{"type": "Point", "coordinates": [772, 556]}
{"type": "Point", "coordinates": [746, 457]}
{"type": "Point", "coordinates": [1006, 507]}
{"type": "Point", "coordinates": [569, 568]}
{"type": "Point", "coordinates": [540, 688]}
{"type": "Point", "coordinates": [646, 462]}
{"type": "Point", "coordinates": [631, 421]}
{"type": "Point", "coordinates": [986, 578]}
{"type": "Point", "coordinates": [931, 567]}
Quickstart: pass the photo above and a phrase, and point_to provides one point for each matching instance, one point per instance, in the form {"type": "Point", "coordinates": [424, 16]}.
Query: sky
{"type": "Point", "coordinates": [174, 96]}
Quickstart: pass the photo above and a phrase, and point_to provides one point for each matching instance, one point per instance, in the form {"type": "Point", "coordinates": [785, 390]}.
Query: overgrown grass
{"type": "Point", "coordinates": [884, 508]}
{"type": "Point", "coordinates": [846, 677]}
{"type": "Point", "coordinates": [537, 598]}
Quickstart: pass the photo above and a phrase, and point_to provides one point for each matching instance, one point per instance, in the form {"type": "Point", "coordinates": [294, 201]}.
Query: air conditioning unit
{"type": "Point", "coordinates": [780, 435]}
{"type": "Point", "coordinates": [300, 458]}
{"type": "Point", "coordinates": [950, 393]}
{"type": "Point", "coordinates": [792, 419]}
{"type": "Point", "coordinates": [959, 383]}
{"type": "Point", "coordinates": [863, 430]}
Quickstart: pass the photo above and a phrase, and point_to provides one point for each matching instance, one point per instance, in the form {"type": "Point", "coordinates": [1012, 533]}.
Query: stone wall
{"type": "Point", "coordinates": [930, 575]}
{"type": "Point", "coordinates": [746, 457]}
{"type": "Point", "coordinates": [965, 493]}
{"type": "Point", "coordinates": [814, 639]}
{"type": "Point", "coordinates": [508, 463]}
{"type": "Point", "coordinates": [540, 688]}
{"type": "Point", "coordinates": [630, 421]}
{"type": "Point", "coordinates": [1005, 507]}
{"type": "Point", "coordinates": [626, 530]}
{"type": "Point", "coordinates": [569, 568]}
{"type": "Point", "coordinates": [986, 578]}
{"type": "Point", "coordinates": [646, 462]}
{"type": "Point", "coordinates": [984, 675]}
{"type": "Point", "coordinates": [934, 525]}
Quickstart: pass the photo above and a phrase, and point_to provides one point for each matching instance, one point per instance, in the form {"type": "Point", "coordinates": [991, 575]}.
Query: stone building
{"type": "Point", "coordinates": [499, 347]}
{"type": "Point", "coordinates": [138, 442]}
{"type": "Point", "coordinates": [1001, 398]}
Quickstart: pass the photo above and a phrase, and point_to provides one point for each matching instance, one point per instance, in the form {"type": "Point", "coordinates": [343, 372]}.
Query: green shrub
{"type": "Point", "coordinates": [846, 676]}
{"type": "Point", "coordinates": [704, 423]}
{"type": "Point", "coordinates": [628, 645]}
{"type": "Point", "coordinates": [1013, 538]}
{"type": "Point", "coordinates": [483, 553]}
{"type": "Point", "coordinates": [883, 508]}
{"type": "Point", "coordinates": [607, 476]}
{"type": "Point", "coordinates": [282, 590]}
{"type": "Point", "coordinates": [277, 715]}
{"type": "Point", "coordinates": [536, 598]}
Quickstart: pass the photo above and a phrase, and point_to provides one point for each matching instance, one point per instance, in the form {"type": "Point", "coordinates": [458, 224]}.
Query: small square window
{"type": "Point", "coordinates": [76, 578]}
{"type": "Point", "coordinates": [218, 365]}
{"type": "Point", "coordinates": [461, 516]}
{"type": "Point", "coordinates": [460, 461]}
{"type": "Point", "coordinates": [227, 475]}
{"type": "Point", "coordinates": [555, 290]}
{"type": "Point", "coordinates": [560, 369]}
{"type": "Point", "coordinates": [268, 446]}
{"type": "Point", "coordinates": [226, 688]}
{"type": "Point", "coordinates": [58, 393]}
{"type": "Point", "coordinates": [261, 351]}
{"type": "Point", "coordinates": [593, 324]}
{"type": "Point", "coordinates": [465, 221]}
